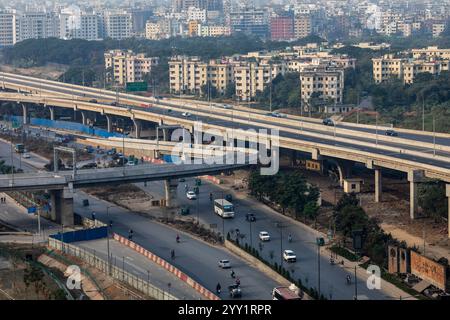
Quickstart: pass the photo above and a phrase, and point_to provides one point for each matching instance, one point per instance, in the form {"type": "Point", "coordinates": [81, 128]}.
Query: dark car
{"type": "Point", "coordinates": [250, 217]}
{"type": "Point", "coordinates": [391, 133]}
{"type": "Point", "coordinates": [93, 100]}
{"type": "Point", "coordinates": [328, 122]}
{"type": "Point", "coordinates": [229, 197]}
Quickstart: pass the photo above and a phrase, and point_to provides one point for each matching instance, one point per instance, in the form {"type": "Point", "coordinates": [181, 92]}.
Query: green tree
{"type": "Point", "coordinates": [432, 199]}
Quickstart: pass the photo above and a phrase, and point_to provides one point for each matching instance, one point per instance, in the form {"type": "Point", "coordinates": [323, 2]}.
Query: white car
{"type": "Point", "coordinates": [278, 115]}
{"type": "Point", "coordinates": [224, 264]}
{"type": "Point", "coordinates": [227, 106]}
{"type": "Point", "coordinates": [264, 236]}
{"type": "Point", "coordinates": [186, 114]}
{"type": "Point", "coordinates": [289, 256]}
{"type": "Point", "coordinates": [191, 195]}
{"type": "Point", "coordinates": [26, 155]}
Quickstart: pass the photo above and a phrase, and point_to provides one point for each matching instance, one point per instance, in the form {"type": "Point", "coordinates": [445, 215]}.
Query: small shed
{"type": "Point", "coordinates": [352, 185]}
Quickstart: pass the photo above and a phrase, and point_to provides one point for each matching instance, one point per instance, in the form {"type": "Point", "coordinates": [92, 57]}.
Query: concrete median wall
{"type": "Point", "coordinates": [166, 265]}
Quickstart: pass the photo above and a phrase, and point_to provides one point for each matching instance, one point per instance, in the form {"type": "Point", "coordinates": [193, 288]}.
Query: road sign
{"type": "Point", "coordinates": [137, 86]}
{"type": "Point", "coordinates": [31, 210]}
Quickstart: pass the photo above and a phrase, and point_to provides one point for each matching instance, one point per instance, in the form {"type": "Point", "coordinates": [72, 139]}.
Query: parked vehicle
{"type": "Point", "coordinates": [285, 293]}
{"type": "Point", "coordinates": [26, 155]}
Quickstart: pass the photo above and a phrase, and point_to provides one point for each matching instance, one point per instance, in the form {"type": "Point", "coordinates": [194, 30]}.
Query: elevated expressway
{"type": "Point", "coordinates": [419, 154]}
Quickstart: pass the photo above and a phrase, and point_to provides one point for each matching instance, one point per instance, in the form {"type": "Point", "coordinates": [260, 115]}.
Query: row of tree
{"type": "Point", "coordinates": [289, 190]}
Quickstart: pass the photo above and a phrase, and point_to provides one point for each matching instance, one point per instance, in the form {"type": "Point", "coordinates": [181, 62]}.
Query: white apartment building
{"type": "Point", "coordinates": [128, 67]}
{"type": "Point", "coordinates": [196, 14]}
{"type": "Point", "coordinates": [118, 25]}
{"type": "Point", "coordinates": [432, 51]}
{"type": "Point", "coordinates": [153, 31]}
{"type": "Point", "coordinates": [37, 25]}
{"type": "Point", "coordinates": [251, 77]}
{"type": "Point", "coordinates": [190, 74]}
{"type": "Point", "coordinates": [8, 30]}
{"type": "Point", "coordinates": [90, 27]}
{"type": "Point", "coordinates": [327, 81]}
{"type": "Point", "coordinates": [438, 28]}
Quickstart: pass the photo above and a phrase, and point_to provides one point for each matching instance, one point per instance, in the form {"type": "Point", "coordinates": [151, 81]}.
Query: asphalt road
{"type": "Point", "coordinates": [194, 257]}
{"type": "Point", "coordinates": [333, 277]}
{"type": "Point", "coordinates": [138, 265]}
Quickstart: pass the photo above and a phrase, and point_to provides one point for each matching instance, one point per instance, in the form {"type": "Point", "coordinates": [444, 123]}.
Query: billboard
{"type": "Point", "coordinates": [428, 270]}
{"type": "Point", "coordinates": [137, 86]}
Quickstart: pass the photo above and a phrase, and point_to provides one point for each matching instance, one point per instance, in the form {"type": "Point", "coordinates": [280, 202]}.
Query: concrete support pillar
{"type": "Point", "coordinates": [447, 192]}
{"type": "Point", "coordinates": [345, 170]}
{"type": "Point", "coordinates": [62, 206]}
{"type": "Point", "coordinates": [52, 113]}
{"type": "Point", "coordinates": [170, 187]}
{"type": "Point", "coordinates": [137, 128]}
{"type": "Point", "coordinates": [165, 134]}
{"type": "Point", "coordinates": [378, 185]}
{"type": "Point", "coordinates": [414, 177]}
{"type": "Point", "coordinates": [25, 113]}
{"type": "Point", "coordinates": [84, 118]}
{"type": "Point", "coordinates": [108, 122]}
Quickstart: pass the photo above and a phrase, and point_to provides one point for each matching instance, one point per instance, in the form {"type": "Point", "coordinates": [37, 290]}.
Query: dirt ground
{"type": "Point", "coordinates": [50, 71]}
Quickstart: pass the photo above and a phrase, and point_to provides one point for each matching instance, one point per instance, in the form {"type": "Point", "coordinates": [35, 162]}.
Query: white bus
{"type": "Point", "coordinates": [223, 208]}
{"type": "Point", "coordinates": [285, 293]}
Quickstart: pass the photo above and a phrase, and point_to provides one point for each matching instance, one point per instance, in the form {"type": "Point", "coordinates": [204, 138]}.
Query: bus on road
{"type": "Point", "coordinates": [223, 208]}
{"type": "Point", "coordinates": [285, 293]}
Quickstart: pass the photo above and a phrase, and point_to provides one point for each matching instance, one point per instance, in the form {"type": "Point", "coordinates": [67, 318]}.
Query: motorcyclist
{"type": "Point", "coordinates": [233, 274]}
{"type": "Point", "coordinates": [130, 234]}
{"type": "Point", "coordinates": [178, 238]}
{"type": "Point", "coordinates": [238, 281]}
{"type": "Point", "coordinates": [290, 238]}
{"type": "Point", "coordinates": [172, 254]}
{"type": "Point", "coordinates": [218, 287]}
{"type": "Point", "coordinates": [349, 279]}
{"type": "Point", "coordinates": [210, 196]}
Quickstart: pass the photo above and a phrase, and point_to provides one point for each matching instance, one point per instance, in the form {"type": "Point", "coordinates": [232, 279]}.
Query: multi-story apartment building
{"type": "Point", "coordinates": [253, 77]}
{"type": "Point", "coordinates": [190, 74]}
{"type": "Point", "coordinates": [118, 24]}
{"type": "Point", "coordinates": [251, 21]}
{"type": "Point", "coordinates": [387, 67]}
{"type": "Point", "coordinates": [126, 66]}
{"type": "Point", "coordinates": [433, 52]}
{"type": "Point", "coordinates": [327, 81]}
{"type": "Point", "coordinates": [213, 30]}
{"type": "Point", "coordinates": [37, 25]}
{"type": "Point", "coordinates": [431, 60]}
{"type": "Point", "coordinates": [90, 27]}
{"type": "Point", "coordinates": [153, 31]}
{"type": "Point", "coordinates": [281, 28]}
{"type": "Point", "coordinates": [302, 26]}
{"type": "Point", "coordinates": [196, 14]}
{"type": "Point", "coordinates": [8, 28]}
{"type": "Point", "coordinates": [438, 28]}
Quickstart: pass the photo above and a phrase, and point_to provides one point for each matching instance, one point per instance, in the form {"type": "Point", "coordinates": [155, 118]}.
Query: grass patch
{"type": "Point", "coordinates": [341, 251]}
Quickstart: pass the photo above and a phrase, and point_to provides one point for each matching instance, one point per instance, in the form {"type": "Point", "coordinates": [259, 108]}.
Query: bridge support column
{"type": "Point", "coordinates": [447, 192]}
{"type": "Point", "coordinates": [137, 128]}
{"type": "Point", "coordinates": [378, 184]}
{"type": "Point", "coordinates": [414, 177]}
{"type": "Point", "coordinates": [108, 122]}
{"type": "Point", "coordinates": [52, 113]}
{"type": "Point", "coordinates": [25, 113]}
{"type": "Point", "coordinates": [344, 169]}
{"type": "Point", "coordinates": [84, 118]}
{"type": "Point", "coordinates": [62, 206]}
{"type": "Point", "coordinates": [170, 186]}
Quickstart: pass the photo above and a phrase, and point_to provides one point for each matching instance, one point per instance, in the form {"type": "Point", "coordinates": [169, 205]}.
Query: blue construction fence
{"type": "Point", "coordinates": [65, 125]}
{"type": "Point", "coordinates": [81, 235]}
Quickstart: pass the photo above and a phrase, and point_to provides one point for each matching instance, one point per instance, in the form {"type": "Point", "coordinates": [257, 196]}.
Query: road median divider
{"type": "Point", "coordinates": [166, 265]}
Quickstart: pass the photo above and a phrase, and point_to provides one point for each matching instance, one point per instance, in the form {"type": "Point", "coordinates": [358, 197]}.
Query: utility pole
{"type": "Point", "coordinates": [423, 113]}
{"type": "Point", "coordinates": [434, 136]}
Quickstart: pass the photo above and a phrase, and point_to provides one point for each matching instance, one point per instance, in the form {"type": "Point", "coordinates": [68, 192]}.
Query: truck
{"type": "Point", "coordinates": [19, 148]}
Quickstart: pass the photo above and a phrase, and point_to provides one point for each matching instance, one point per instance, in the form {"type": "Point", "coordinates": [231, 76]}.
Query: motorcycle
{"type": "Point", "coordinates": [233, 275]}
